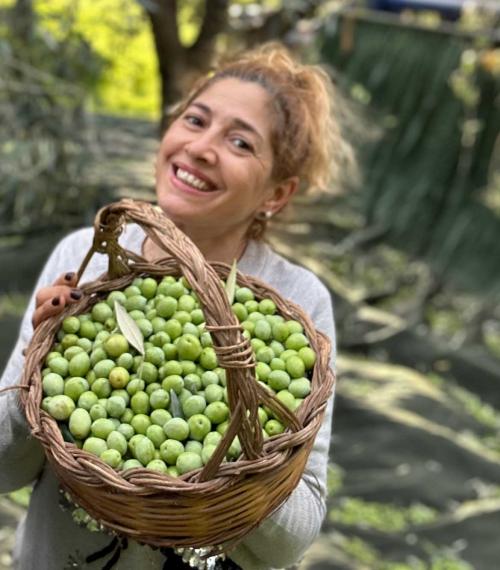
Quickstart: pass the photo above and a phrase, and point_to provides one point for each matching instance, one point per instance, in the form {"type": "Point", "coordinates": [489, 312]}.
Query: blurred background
{"type": "Point", "coordinates": [410, 250]}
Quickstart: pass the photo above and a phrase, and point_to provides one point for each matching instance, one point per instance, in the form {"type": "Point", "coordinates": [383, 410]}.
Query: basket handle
{"type": "Point", "coordinates": [234, 352]}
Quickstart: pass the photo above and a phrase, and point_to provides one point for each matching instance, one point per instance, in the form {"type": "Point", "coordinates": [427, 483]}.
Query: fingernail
{"type": "Point", "coordinates": [75, 294]}
{"type": "Point", "coordinates": [69, 276]}
{"type": "Point", "coordinates": [55, 301]}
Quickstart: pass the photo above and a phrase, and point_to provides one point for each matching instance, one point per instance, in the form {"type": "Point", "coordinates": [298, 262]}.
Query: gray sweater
{"type": "Point", "coordinates": [48, 539]}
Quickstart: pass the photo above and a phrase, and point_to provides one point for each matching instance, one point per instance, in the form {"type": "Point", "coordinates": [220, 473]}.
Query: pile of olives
{"type": "Point", "coordinates": [163, 405]}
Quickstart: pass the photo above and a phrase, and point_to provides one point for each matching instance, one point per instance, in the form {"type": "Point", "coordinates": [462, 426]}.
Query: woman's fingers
{"type": "Point", "coordinates": [52, 300]}
{"type": "Point", "coordinates": [48, 309]}
{"type": "Point", "coordinates": [69, 279]}
{"type": "Point", "coordinates": [65, 285]}
{"type": "Point", "coordinates": [47, 293]}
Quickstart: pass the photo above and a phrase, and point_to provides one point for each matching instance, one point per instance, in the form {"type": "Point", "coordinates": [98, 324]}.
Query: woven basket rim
{"type": "Point", "coordinates": [84, 475]}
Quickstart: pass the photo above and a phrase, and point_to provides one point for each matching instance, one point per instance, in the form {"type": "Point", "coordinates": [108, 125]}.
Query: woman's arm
{"type": "Point", "coordinates": [21, 455]}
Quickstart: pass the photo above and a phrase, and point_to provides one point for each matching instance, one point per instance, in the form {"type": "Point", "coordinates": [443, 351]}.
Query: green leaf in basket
{"type": "Point", "coordinates": [67, 435]}
{"type": "Point", "coordinates": [175, 405]}
{"type": "Point", "coordinates": [129, 328]}
{"type": "Point", "coordinates": [231, 283]}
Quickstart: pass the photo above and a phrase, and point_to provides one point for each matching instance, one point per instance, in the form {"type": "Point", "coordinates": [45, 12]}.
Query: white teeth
{"type": "Point", "coordinates": [191, 180]}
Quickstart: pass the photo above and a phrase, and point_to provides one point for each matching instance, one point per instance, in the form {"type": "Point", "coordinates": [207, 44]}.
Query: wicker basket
{"type": "Point", "coordinates": [221, 502]}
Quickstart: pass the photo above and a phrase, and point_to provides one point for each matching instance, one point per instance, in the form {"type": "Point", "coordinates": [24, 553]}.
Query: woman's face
{"type": "Point", "coordinates": [213, 170]}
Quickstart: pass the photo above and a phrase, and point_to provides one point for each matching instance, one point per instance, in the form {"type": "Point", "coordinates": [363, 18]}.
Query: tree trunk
{"type": "Point", "coordinates": [163, 18]}
{"type": "Point", "coordinates": [176, 63]}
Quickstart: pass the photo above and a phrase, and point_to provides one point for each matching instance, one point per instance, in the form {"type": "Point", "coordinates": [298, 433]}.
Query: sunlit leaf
{"type": "Point", "coordinates": [231, 283]}
{"type": "Point", "coordinates": [129, 328]}
{"type": "Point", "coordinates": [175, 406]}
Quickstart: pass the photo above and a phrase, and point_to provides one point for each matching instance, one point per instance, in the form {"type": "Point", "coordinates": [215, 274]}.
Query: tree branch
{"type": "Point", "coordinates": [169, 50]}
{"type": "Point", "coordinates": [214, 22]}
{"type": "Point", "coordinates": [163, 17]}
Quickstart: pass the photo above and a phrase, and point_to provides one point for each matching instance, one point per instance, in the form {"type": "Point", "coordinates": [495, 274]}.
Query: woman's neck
{"type": "Point", "coordinates": [223, 249]}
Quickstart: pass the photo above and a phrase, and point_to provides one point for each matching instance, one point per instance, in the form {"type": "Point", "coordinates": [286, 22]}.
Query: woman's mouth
{"type": "Point", "coordinates": [191, 181]}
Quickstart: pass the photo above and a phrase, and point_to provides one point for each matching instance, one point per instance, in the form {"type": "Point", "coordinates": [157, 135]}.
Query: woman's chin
{"type": "Point", "coordinates": [180, 213]}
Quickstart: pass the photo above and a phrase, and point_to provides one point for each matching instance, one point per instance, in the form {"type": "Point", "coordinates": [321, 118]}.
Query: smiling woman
{"type": "Point", "coordinates": [214, 168]}
{"type": "Point", "coordinates": [242, 143]}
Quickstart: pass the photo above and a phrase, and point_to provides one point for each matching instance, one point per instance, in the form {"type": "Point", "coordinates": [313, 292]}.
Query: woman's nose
{"type": "Point", "coordinates": [202, 148]}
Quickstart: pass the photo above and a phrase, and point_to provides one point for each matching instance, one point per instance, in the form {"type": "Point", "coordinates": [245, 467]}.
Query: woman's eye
{"type": "Point", "coordinates": [241, 144]}
{"type": "Point", "coordinates": [193, 120]}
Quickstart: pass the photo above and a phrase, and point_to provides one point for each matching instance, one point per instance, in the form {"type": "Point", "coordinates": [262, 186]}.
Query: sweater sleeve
{"type": "Point", "coordinates": [282, 539]}
{"type": "Point", "coordinates": [21, 455]}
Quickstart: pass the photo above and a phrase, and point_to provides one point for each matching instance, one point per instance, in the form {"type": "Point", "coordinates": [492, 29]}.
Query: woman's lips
{"type": "Point", "coordinates": [201, 176]}
{"type": "Point", "coordinates": [185, 187]}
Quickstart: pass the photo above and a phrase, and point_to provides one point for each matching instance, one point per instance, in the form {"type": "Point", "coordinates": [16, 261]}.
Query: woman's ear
{"type": "Point", "coordinates": [281, 195]}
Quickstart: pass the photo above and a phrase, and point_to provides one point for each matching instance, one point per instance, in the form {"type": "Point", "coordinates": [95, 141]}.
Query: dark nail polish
{"type": "Point", "coordinates": [75, 294]}
{"type": "Point", "coordinates": [69, 276]}
{"type": "Point", "coordinates": [55, 301]}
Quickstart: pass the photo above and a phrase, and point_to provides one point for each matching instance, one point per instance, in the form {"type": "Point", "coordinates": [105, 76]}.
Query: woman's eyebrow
{"type": "Point", "coordinates": [205, 108]}
{"type": "Point", "coordinates": [247, 127]}
{"type": "Point", "coordinates": [240, 123]}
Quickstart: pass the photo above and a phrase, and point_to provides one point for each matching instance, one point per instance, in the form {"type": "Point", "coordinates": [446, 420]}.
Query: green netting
{"type": "Point", "coordinates": [420, 182]}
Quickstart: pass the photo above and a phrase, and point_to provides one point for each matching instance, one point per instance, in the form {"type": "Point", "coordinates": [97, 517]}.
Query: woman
{"type": "Point", "coordinates": [239, 147]}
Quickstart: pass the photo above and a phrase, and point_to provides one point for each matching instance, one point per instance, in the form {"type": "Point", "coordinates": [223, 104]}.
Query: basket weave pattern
{"type": "Point", "coordinates": [221, 502]}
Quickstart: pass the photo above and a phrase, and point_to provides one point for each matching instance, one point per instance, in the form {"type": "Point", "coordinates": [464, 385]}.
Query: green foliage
{"type": "Point", "coordinates": [43, 127]}
{"type": "Point", "coordinates": [384, 517]}
{"type": "Point", "coordinates": [491, 195]}
{"type": "Point", "coordinates": [380, 272]}
{"type": "Point", "coordinates": [360, 551]}
{"type": "Point", "coordinates": [374, 271]}
{"type": "Point", "coordinates": [483, 413]}
{"type": "Point", "coordinates": [118, 32]}
{"type": "Point", "coordinates": [491, 336]}
{"type": "Point", "coordinates": [446, 563]}
{"type": "Point", "coordinates": [13, 304]}
{"type": "Point", "coordinates": [21, 497]}
{"type": "Point", "coordinates": [334, 479]}
{"type": "Point", "coordinates": [441, 562]}
{"type": "Point", "coordinates": [432, 96]}
{"type": "Point", "coordinates": [190, 17]}
{"type": "Point", "coordinates": [444, 321]}
{"type": "Point", "coordinates": [362, 555]}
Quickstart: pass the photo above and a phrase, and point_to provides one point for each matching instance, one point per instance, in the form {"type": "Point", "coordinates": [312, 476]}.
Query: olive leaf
{"type": "Point", "coordinates": [175, 406]}
{"type": "Point", "coordinates": [231, 283]}
{"type": "Point", "coordinates": [67, 435]}
{"type": "Point", "coordinates": [140, 369]}
{"type": "Point", "coordinates": [129, 328]}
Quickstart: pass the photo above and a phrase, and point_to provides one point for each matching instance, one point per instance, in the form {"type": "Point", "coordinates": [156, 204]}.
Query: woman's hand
{"type": "Point", "coordinates": [51, 300]}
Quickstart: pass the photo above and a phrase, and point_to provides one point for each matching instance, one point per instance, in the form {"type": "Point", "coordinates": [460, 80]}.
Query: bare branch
{"type": "Point", "coordinates": [214, 22]}
{"type": "Point", "coordinates": [169, 50]}
{"type": "Point", "coordinates": [163, 17]}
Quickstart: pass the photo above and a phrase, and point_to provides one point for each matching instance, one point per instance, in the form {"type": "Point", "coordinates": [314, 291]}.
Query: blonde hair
{"type": "Point", "coordinates": [307, 138]}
